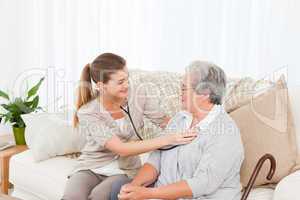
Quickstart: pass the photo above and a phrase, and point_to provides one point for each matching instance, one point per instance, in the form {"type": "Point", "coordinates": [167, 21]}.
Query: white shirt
{"type": "Point", "coordinates": [210, 164]}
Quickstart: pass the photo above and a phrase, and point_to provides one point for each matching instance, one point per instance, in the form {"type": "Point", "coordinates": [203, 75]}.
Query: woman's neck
{"type": "Point", "coordinates": [111, 103]}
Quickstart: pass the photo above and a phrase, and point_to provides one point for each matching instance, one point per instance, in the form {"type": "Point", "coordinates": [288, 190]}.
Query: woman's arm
{"type": "Point", "coordinates": [138, 147]}
{"type": "Point", "coordinates": [165, 122]}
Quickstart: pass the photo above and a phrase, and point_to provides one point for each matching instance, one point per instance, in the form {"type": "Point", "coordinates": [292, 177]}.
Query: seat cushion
{"type": "Point", "coordinates": [288, 188]}
{"type": "Point", "coordinates": [261, 194]}
{"type": "Point", "coordinates": [45, 180]}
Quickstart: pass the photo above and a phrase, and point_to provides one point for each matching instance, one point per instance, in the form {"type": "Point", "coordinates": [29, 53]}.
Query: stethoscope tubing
{"type": "Point", "coordinates": [127, 111]}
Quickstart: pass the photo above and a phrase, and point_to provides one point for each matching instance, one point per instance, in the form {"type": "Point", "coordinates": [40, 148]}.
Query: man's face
{"type": "Point", "coordinates": [189, 98]}
{"type": "Point", "coordinates": [187, 94]}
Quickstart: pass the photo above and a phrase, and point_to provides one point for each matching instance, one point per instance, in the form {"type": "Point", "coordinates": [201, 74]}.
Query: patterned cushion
{"type": "Point", "coordinates": [241, 92]}
{"type": "Point", "coordinates": [166, 87]}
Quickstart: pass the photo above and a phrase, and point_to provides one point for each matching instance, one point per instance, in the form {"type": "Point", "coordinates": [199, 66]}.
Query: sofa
{"type": "Point", "coordinates": [46, 180]}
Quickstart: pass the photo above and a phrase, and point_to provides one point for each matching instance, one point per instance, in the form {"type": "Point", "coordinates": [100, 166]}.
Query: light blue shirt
{"type": "Point", "coordinates": [210, 164]}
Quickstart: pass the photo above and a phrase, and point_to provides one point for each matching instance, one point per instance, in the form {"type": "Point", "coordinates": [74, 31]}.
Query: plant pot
{"type": "Point", "coordinates": [19, 135]}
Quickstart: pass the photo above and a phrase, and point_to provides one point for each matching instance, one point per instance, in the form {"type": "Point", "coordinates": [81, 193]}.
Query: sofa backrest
{"type": "Point", "coordinates": [166, 87]}
{"type": "Point", "coordinates": [294, 95]}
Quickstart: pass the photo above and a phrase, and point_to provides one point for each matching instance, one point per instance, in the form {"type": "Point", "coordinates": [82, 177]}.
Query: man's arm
{"type": "Point", "coordinates": [169, 192]}
{"type": "Point", "coordinates": [146, 176]}
{"type": "Point", "coordinates": [150, 170]}
{"type": "Point", "coordinates": [215, 165]}
{"type": "Point", "coordinates": [172, 191]}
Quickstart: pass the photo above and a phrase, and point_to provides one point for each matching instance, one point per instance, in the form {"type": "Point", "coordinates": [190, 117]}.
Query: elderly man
{"type": "Point", "coordinates": [208, 167]}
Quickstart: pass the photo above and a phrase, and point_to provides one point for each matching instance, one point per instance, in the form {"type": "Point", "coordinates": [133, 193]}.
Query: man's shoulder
{"type": "Point", "coordinates": [178, 118]}
{"type": "Point", "coordinates": [223, 125]}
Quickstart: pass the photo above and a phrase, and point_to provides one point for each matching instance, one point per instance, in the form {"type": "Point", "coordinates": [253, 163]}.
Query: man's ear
{"type": "Point", "coordinates": [206, 96]}
{"type": "Point", "coordinates": [203, 97]}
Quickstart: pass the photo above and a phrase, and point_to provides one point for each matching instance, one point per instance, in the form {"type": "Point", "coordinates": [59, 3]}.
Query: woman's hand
{"type": "Point", "coordinates": [180, 138]}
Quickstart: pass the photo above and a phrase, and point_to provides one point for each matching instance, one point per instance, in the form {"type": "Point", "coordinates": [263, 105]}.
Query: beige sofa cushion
{"type": "Point", "coordinates": [294, 94]}
{"type": "Point", "coordinates": [242, 92]}
{"type": "Point", "coordinates": [266, 126]}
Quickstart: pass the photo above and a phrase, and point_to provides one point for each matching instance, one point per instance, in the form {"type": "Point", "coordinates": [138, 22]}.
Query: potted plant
{"type": "Point", "coordinates": [15, 107]}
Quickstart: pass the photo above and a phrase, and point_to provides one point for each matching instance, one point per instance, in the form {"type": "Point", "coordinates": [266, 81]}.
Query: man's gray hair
{"type": "Point", "coordinates": [207, 78]}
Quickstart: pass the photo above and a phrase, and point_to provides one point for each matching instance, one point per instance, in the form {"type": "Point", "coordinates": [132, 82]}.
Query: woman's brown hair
{"type": "Point", "coordinates": [98, 71]}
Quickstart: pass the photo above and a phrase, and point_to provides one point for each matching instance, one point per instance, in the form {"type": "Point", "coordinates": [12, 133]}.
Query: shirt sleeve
{"type": "Point", "coordinates": [93, 126]}
{"type": "Point", "coordinates": [155, 160]}
{"type": "Point", "coordinates": [220, 160]}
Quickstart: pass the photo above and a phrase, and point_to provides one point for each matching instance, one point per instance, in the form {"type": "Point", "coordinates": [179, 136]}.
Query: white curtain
{"type": "Point", "coordinates": [58, 37]}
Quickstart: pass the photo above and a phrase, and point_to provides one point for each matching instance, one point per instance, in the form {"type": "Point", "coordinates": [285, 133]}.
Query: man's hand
{"type": "Point", "coordinates": [132, 192]}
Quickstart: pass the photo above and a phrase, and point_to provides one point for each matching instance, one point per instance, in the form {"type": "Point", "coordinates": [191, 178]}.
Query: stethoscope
{"type": "Point", "coordinates": [127, 111]}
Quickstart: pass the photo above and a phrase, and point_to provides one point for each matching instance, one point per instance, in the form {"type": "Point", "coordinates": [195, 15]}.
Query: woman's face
{"type": "Point", "coordinates": [118, 84]}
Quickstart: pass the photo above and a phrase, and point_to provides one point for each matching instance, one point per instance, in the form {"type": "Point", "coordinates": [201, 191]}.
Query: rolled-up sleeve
{"type": "Point", "coordinates": [219, 161]}
{"type": "Point", "coordinates": [155, 160]}
{"type": "Point", "coordinates": [92, 125]}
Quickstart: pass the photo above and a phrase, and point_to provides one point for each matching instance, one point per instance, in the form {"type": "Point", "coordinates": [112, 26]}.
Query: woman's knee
{"type": "Point", "coordinates": [79, 185]}
{"type": "Point", "coordinates": [109, 188]}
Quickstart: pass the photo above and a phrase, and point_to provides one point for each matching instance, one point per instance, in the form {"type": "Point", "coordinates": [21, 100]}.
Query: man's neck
{"type": "Point", "coordinates": [201, 113]}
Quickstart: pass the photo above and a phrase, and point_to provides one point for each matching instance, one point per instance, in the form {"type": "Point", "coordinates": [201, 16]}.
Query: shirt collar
{"type": "Point", "coordinates": [210, 117]}
{"type": "Point", "coordinates": [183, 120]}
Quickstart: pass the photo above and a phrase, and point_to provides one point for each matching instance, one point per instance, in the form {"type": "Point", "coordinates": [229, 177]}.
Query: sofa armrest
{"type": "Point", "coordinates": [288, 187]}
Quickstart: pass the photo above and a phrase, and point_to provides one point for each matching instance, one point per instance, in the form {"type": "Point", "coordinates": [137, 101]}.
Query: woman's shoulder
{"type": "Point", "coordinates": [90, 107]}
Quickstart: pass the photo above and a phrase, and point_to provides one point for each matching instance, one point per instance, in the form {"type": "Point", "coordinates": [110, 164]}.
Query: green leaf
{"type": "Point", "coordinates": [19, 122]}
{"type": "Point", "coordinates": [40, 108]}
{"type": "Point", "coordinates": [4, 95]}
{"type": "Point", "coordinates": [35, 88]}
{"type": "Point", "coordinates": [22, 106]}
{"type": "Point", "coordinates": [8, 117]}
{"type": "Point", "coordinates": [35, 102]}
{"type": "Point", "coordinates": [6, 107]}
{"type": "Point", "coordinates": [28, 103]}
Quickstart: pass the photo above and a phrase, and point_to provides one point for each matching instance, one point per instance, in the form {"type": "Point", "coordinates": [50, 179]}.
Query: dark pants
{"type": "Point", "coordinates": [116, 187]}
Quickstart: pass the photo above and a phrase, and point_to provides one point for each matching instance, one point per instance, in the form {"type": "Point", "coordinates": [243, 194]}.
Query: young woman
{"type": "Point", "coordinates": [110, 153]}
